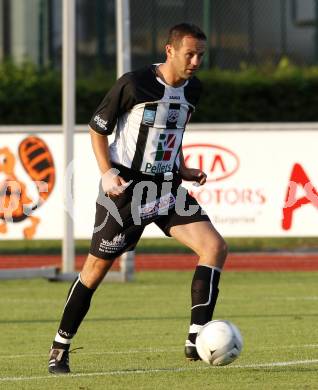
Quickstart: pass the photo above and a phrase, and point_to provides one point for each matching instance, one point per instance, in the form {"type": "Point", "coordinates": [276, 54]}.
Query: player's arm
{"type": "Point", "coordinates": [191, 174]}
{"type": "Point", "coordinates": [101, 150]}
{"type": "Point", "coordinates": [117, 101]}
{"type": "Point", "coordinates": [111, 182]}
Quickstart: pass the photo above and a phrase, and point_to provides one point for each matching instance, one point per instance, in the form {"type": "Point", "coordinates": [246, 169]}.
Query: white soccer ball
{"type": "Point", "coordinates": [219, 343]}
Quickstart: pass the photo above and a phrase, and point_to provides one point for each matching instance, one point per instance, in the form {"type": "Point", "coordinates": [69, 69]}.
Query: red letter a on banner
{"type": "Point", "coordinates": [297, 177]}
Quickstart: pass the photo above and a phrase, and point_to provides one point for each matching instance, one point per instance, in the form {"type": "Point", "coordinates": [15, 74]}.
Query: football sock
{"type": "Point", "coordinates": [204, 293]}
{"type": "Point", "coordinates": [77, 305]}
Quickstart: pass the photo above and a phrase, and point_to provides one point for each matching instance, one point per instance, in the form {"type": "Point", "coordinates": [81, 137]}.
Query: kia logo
{"type": "Point", "coordinates": [216, 161]}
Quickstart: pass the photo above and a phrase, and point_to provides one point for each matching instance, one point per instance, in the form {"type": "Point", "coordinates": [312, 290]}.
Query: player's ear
{"type": "Point", "coordinates": [169, 51]}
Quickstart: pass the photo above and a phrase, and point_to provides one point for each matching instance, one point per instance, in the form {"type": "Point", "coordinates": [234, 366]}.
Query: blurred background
{"type": "Point", "coordinates": [244, 31]}
{"type": "Point", "coordinates": [250, 44]}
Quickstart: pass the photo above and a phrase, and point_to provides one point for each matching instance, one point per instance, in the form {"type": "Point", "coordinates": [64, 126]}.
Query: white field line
{"type": "Point", "coordinates": [152, 350]}
{"type": "Point", "coordinates": [157, 370]}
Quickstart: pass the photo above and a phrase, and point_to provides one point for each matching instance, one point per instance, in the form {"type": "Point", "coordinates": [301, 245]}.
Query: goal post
{"type": "Point", "coordinates": [68, 125]}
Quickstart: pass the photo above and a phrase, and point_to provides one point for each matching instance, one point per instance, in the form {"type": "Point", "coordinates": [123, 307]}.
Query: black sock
{"type": "Point", "coordinates": [77, 305]}
{"type": "Point", "coordinates": [204, 293]}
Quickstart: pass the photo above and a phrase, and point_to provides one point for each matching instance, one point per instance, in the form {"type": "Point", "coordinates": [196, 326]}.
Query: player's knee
{"type": "Point", "coordinates": [94, 271]}
{"type": "Point", "coordinates": [214, 252]}
{"type": "Point", "coordinates": [222, 249]}
{"type": "Point", "coordinates": [219, 248]}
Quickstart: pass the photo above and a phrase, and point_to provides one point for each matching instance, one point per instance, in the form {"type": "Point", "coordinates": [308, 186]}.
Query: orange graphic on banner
{"type": "Point", "coordinates": [15, 203]}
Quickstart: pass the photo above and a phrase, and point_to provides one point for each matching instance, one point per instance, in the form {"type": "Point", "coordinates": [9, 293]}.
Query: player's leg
{"type": "Point", "coordinates": [76, 307]}
{"type": "Point", "coordinates": [204, 240]}
{"type": "Point", "coordinates": [110, 240]}
{"type": "Point", "coordinates": [208, 244]}
{"type": "Point", "coordinates": [84, 286]}
{"type": "Point", "coordinates": [79, 298]}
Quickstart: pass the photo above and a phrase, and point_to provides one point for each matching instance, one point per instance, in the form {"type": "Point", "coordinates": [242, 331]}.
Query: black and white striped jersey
{"type": "Point", "coordinates": [151, 117]}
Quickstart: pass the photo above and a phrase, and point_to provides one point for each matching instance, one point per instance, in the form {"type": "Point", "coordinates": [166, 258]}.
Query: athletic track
{"type": "Point", "coordinates": [260, 261]}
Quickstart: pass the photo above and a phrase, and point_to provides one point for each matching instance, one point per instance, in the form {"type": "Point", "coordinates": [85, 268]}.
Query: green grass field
{"type": "Point", "coordinates": [133, 335]}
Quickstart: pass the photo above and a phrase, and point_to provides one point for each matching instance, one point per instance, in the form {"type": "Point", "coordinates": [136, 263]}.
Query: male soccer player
{"type": "Point", "coordinates": [142, 171]}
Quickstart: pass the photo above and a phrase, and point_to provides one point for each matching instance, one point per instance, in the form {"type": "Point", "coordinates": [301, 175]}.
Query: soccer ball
{"type": "Point", "coordinates": [219, 343]}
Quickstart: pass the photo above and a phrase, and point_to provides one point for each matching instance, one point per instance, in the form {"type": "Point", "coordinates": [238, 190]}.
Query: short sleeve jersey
{"type": "Point", "coordinates": [151, 117]}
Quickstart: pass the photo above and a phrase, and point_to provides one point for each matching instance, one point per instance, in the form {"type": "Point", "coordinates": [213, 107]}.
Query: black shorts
{"type": "Point", "coordinates": [120, 221]}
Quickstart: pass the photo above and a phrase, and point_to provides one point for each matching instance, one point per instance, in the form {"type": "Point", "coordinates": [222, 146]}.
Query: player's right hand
{"type": "Point", "coordinates": [114, 185]}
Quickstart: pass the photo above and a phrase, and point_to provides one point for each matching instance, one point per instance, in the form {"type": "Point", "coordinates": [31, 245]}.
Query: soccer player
{"type": "Point", "coordinates": [142, 171]}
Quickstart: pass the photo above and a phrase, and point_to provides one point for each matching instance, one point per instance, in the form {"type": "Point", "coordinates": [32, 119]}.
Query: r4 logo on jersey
{"type": "Point", "coordinates": [165, 147]}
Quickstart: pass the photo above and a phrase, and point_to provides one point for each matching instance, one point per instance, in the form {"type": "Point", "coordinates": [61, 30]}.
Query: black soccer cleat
{"type": "Point", "coordinates": [59, 361]}
{"type": "Point", "coordinates": [190, 351]}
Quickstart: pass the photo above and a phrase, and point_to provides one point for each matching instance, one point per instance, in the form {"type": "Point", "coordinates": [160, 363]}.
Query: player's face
{"type": "Point", "coordinates": [187, 58]}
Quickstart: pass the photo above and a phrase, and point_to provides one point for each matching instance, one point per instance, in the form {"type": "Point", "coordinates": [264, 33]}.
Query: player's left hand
{"type": "Point", "coordinates": [194, 174]}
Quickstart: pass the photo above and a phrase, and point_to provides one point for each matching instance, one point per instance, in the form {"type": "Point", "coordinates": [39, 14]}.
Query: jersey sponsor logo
{"type": "Point", "coordinates": [175, 97]}
{"type": "Point", "coordinates": [149, 117]}
{"type": "Point", "coordinates": [100, 122]}
{"type": "Point", "coordinates": [158, 168]}
{"type": "Point", "coordinates": [173, 115]}
{"type": "Point", "coordinates": [165, 147]}
{"type": "Point", "coordinates": [117, 243]}
{"type": "Point", "coordinates": [158, 206]}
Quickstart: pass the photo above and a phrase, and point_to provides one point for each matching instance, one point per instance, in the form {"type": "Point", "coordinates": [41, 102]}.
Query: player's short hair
{"type": "Point", "coordinates": [177, 32]}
